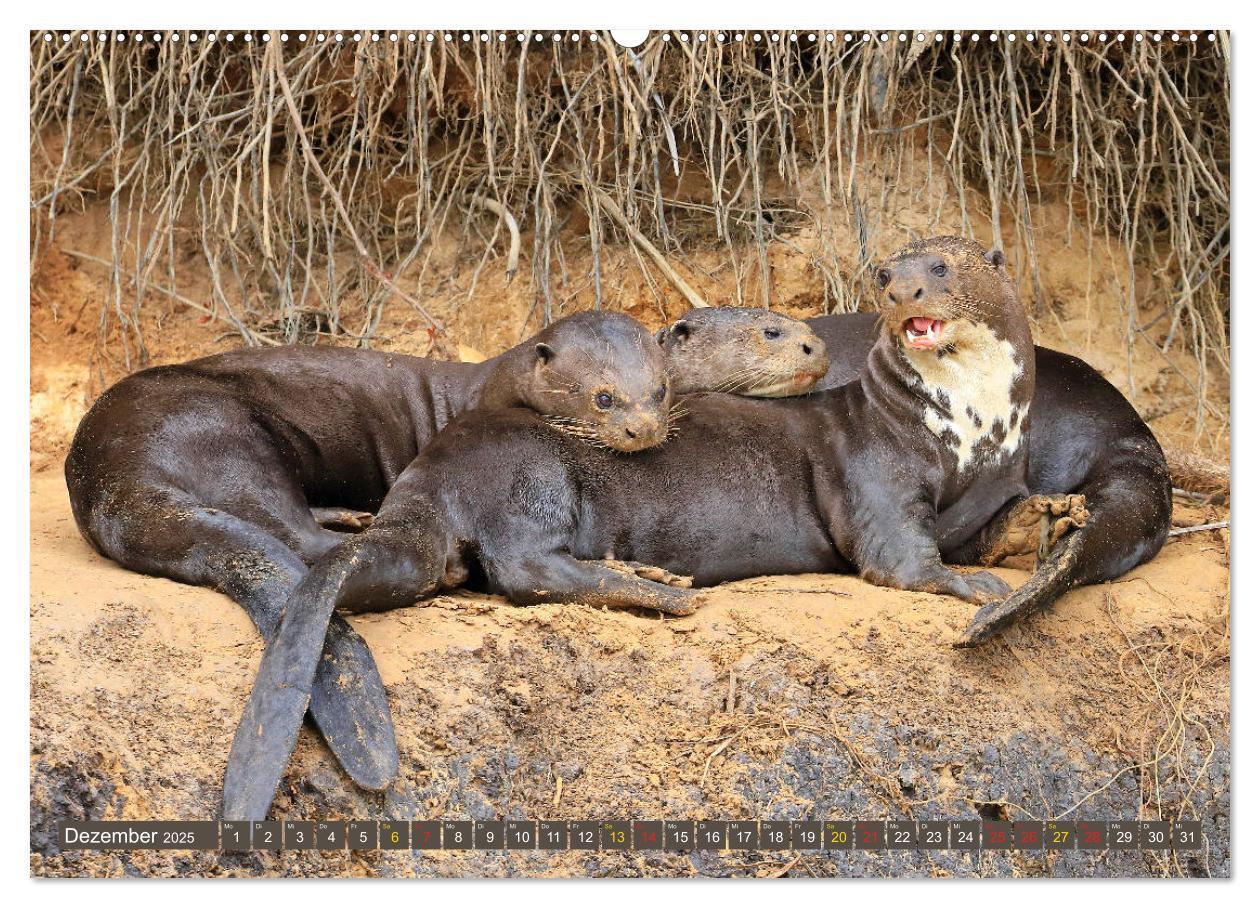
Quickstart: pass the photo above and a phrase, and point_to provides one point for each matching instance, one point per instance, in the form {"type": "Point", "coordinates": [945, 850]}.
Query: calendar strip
{"type": "Point", "coordinates": [636, 835]}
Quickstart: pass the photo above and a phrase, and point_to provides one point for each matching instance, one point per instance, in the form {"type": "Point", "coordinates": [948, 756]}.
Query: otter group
{"type": "Point", "coordinates": [573, 469]}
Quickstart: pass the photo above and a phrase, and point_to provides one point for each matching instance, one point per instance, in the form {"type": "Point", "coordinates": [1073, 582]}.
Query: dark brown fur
{"type": "Point", "coordinates": [843, 480]}
{"type": "Point", "coordinates": [208, 472]}
{"type": "Point", "coordinates": [1085, 438]}
{"type": "Point", "coordinates": [753, 352]}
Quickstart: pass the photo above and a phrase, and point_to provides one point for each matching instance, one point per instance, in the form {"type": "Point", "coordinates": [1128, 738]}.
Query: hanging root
{"type": "Point", "coordinates": [514, 231]}
{"type": "Point", "coordinates": [312, 178]}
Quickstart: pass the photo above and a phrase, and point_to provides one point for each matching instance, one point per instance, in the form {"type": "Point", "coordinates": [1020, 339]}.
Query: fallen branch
{"type": "Point", "coordinates": [783, 871]}
{"type": "Point", "coordinates": [653, 253]}
{"type": "Point", "coordinates": [1181, 531]}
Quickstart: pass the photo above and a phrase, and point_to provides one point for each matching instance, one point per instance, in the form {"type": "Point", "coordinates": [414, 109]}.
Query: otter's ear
{"type": "Point", "coordinates": [545, 353]}
{"type": "Point", "coordinates": [995, 257]}
{"type": "Point", "coordinates": [678, 331]}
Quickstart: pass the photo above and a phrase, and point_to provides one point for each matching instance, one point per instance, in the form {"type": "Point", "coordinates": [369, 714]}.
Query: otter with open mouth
{"type": "Point", "coordinates": [964, 352]}
{"type": "Point", "coordinates": [1085, 440]}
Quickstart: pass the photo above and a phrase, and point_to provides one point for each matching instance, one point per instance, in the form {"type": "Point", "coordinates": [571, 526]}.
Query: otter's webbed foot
{"type": "Point", "coordinates": [977, 586]}
{"type": "Point", "coordinates": [678, 604]}
{"type": "Point", "coordinates": [562, 578]}
{"type": "Point", "coordinates": [648, 572]}
{"type": "Point", "coordinates": [342, 520]}
{"type": "Point", "coordinates": [1035, 525]}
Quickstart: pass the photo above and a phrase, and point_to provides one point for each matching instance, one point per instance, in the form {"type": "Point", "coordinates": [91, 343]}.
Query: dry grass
{"type": "Point", "coordinates": [677, 146]}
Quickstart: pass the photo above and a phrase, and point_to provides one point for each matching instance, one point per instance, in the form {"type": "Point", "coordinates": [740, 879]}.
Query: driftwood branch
{"type": "Point", "coordinates": [652, 252]}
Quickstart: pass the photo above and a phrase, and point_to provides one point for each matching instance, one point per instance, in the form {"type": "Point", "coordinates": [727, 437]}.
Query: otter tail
{"type": "Point", "coordinates": [384, 567]}
{"type": "Point", "coordinates": [1129, 497]}
{"type": "Point", "coordinates": [1053, 578]}
{"type": "Point", "coordinates": [169, 534]}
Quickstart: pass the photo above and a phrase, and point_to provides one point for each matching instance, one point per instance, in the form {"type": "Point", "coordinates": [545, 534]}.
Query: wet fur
{"type": "Point", "coordinates": [206, 472]}
{"type": "Point", "coordinates": [829, 482]}
{"type": "Point", "coordinates": [1084, 437]}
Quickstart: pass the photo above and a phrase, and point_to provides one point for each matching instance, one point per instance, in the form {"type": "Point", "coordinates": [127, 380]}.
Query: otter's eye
{"type": "Point", "coordinates": [604, 400]}
{"type": "Point", "coordinates": [883, 278]}
{"type": "Point", "coordinates": [939, 269]}
{"type": "Point", "coordinates": [659, 394]}
{"type": "Point", "coordinates": [772, 333]}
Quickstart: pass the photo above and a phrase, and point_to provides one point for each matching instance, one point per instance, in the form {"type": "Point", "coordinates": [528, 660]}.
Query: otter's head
{"type": "Point", "coordinates": [753, 352]}
{"type": "Point", "coordinates": [933, 294]}
{"type": "Point", "coordinates": [599, 377]}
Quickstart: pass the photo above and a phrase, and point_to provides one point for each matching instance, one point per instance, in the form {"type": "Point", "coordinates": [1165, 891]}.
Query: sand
{"type": "Point", "coordinates": [783, 698]}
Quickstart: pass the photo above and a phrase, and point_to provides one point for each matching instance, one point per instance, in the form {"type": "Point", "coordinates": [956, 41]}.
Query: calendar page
{"type": "Point", "coordinates": [734, 452]}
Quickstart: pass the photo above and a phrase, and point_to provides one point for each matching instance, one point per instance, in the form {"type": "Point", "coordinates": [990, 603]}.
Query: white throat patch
{"type": "Point", "coordinates": [974, 384]}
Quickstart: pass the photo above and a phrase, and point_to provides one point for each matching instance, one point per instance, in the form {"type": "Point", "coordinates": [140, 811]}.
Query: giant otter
{"type": "Point", "coordinates": [751, 352]}
{"type": "Point", "coordinates": [207, 472]}
{"type": "Point", "coordinates": [916, 455]}
{"type": "Point", "coordinates": [1085, 438]}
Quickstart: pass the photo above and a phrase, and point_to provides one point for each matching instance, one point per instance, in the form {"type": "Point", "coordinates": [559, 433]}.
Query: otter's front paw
{"type": "Point", "coordinates": [985, 587]}
{"type": "Point", "coordinates": [979, 587]}
{"type": "Point", "coordinates": [342, 520]}
{"type": "Point", "coordinates": [680, 604]}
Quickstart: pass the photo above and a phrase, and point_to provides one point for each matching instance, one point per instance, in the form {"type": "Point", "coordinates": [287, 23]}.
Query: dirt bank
{"type": "Point", "coordinates": [785, 698]}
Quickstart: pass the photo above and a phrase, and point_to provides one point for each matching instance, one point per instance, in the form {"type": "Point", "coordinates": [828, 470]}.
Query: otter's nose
{"type": "Point", "coordinates": [643, 430]}
{"type": "Point", "coordinates": [898, 297]}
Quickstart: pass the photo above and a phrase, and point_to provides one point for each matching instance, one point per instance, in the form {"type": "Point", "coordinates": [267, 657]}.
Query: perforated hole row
{"type": "Point", "coordinates": [487, 37]}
